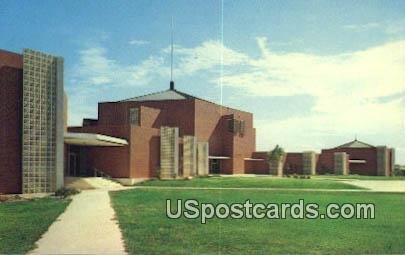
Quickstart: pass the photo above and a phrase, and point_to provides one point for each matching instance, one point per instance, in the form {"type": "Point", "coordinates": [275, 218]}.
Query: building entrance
{"type": "Point", "coordinates": [215, 166]}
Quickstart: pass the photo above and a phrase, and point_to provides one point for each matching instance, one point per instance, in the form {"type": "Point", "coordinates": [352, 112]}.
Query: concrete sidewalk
{"type": "Point", "coordinates": [370, 187]}
{"type": "Point", "coordinates": [379, 185]}
{"type": "Point", "coordinates": [86, 227]}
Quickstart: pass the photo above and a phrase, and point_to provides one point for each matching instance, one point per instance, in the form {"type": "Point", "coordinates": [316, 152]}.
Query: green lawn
{"type": "Point", "coordinates": [23, 223]}
{"type": "Point", "coordinates": [251, 182]}
{"type": "Point", "coordinates": [147, 230]}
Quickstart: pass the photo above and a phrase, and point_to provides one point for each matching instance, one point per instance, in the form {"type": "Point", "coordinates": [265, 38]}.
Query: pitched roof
{"type": "Point", "coordinates": [159, 96]}
{"type": "Point", "coordinates": [170, 94]}
{"type": "Point", "coordinates": [355, 144]}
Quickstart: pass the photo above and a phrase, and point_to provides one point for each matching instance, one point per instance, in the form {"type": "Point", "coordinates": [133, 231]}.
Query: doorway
{"type": "Point", "coordinates": [73, 164]}
{"type": "Point", "coordinates": [215, 167]}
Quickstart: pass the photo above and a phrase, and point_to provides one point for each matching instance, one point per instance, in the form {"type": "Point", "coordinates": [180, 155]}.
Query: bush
{"type": "Point", "coordinates": [66, 192]}
{"type": "Point", "coordinates": [276, 154]}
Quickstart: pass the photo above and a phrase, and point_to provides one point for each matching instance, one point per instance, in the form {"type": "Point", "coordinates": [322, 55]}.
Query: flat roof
{"type": "Point", "coordinates": [253, 159]}
{"type": "Point", "coordinates": [218, 157]}
{"type": "Point", "coordinates": [91, 139]}
{"type": "Point", "coordinates": [357, 161]}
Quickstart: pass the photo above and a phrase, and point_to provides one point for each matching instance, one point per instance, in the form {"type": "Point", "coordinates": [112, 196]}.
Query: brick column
{"type": "Point", "coordinates": [169, 152]}
{"type": "Point", "coordinates": [309, 162]}
{"type": "Point", "coordinates": [392, 166]}
{"type": "Point", "coordinates": [382, 161]}
{"type": "Point", "coordinates": [202, 159]}
{"type": "Point", "coordinates": [189, 156]}
{"type": "Point", "coordinates": [340, 163]}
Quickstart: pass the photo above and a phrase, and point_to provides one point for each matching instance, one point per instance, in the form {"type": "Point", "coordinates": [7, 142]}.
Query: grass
{"type": "Point", "coordinates": [23, 223]}
{"type": "Point", "coordinates": [251, 182]}
{"type": "Point", "coordinates": [147, 230]}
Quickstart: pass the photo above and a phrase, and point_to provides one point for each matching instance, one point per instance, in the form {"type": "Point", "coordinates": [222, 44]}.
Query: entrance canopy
{"type": "Point", "coordinates": [218, 157]}
{"type": "Point", "coordinates": [89, 139]}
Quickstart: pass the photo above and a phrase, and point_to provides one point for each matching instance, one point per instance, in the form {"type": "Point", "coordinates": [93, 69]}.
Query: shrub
{"type": "Point", "coordinates": [66, 192]}
{"type": "Point", "coordinates": [276, 154]}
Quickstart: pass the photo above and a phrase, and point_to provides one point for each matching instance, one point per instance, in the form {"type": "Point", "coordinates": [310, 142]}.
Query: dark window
{"type": "Point", "coordinates": [134, 116]}
{"type": "Point", "coordinates": [230, 125]}
{"type": "Point", "coordinates": [242, 127]}
{"type": "Point", "coordinates": [233, 126]}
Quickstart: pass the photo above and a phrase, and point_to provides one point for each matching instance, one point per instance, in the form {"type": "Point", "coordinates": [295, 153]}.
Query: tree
{"type": "Point", "coordinates": [274, 158]}
{"type": "Point", "coordinates": [276, 154]}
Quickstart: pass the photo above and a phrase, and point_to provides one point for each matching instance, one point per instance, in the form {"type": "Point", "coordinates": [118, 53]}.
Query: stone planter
{"type": "Point", "coordinates": [276, 167]}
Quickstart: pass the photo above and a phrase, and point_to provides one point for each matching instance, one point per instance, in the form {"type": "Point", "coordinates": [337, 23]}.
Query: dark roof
{"type": "Point", "coordinates": [170, 94]}
{"type": "Point", "coordinates": [355, 144]}
{"type": "Point", "coordinates": [159, 96]}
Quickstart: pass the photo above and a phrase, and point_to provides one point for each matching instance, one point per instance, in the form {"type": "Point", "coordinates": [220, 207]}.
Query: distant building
{"type": "Point", "coordinates": [355, 157]}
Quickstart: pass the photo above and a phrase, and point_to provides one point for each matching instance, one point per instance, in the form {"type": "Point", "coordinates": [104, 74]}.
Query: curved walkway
{"type": "Point", "coordinates": [88, 226]}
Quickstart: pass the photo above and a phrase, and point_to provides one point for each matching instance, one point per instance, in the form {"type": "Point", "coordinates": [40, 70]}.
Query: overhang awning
{"type": "Point", "coordinates": [218, 157]}
{"type": "Point", "coordinates": [89, 139]}
{"type": "Point", "coordinates": [253, 159]}
{"type": "Point", "coordinates": [357, 161]}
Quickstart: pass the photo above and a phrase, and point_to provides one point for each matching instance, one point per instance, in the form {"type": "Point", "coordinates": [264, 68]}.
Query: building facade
{"type": "Point", "coordinates": [31, 138]}
{"type": "Point", "coordinates": [229, 133]}
{"type": "Point", "coordinates": [167, 134]}
{"type": "Point", "coordinates": [354, 157]}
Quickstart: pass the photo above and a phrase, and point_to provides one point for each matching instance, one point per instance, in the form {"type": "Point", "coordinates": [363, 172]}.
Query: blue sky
{"type": "Point", "coordinates": [314, 73]}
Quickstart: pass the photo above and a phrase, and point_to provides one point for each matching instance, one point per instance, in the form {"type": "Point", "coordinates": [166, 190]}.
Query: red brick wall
{"type": "Point", "coordinates": [149, 116]}
{"type": "Point", "coordinates": [211, 124]}
{"type": "Point", "coordinates": [144, 151]}
{"type": "Point", "coordinates": [325, 163]}
{"type": "Point", "coordinates": [293, 163]}
{"type": "Point", "coordinates": [173, 113]}
{"type": "Point", "coordinates": [368, 154]}
{"type": "Point", "coordinates": [257, 167]}
{"type": "Point", "coordinates": [206, 121]}
{"type": "Point", "coordinates": [10, 124]}
{"type": "Point", "coordinates": [326, 160]}
{"type": "Point", "coordinates": [11, 59]}
{"type": "Point", "coordinates": [114, 161]}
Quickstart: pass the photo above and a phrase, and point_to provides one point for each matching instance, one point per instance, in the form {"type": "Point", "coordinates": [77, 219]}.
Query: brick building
{"type": "Point", "coordinates": [354, 157]}
{"type": "Point", "coordinates": [31, 117]}
{"type": "Point", "coordinates": [229, 133]}
{"type": "Point", "coordinates": [164, 134]}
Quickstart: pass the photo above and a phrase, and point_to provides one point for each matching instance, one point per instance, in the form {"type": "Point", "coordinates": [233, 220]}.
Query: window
{"type": "Point", "coordinates": [233, 126]}
{"type": "Point", "coordinates": [134, 116]}
{"type": "Point", "coordinates": [236, 126]}
{"type": "Point", "coordinates": [242, 127]}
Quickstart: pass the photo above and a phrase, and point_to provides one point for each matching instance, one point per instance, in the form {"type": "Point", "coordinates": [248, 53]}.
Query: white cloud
{"type": "Point", "coordinates": [96, 68]}
{"type": "Point", "coordinates": [389, 27]}
{"type": "Point", "coordinates": [363, 27]}
{"type": "Point", "coordinates": [206, 56]}
{"type": "Point", "coordinates": [138, 42]}
{"type": "Point", "coordinates": [347, 88]}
